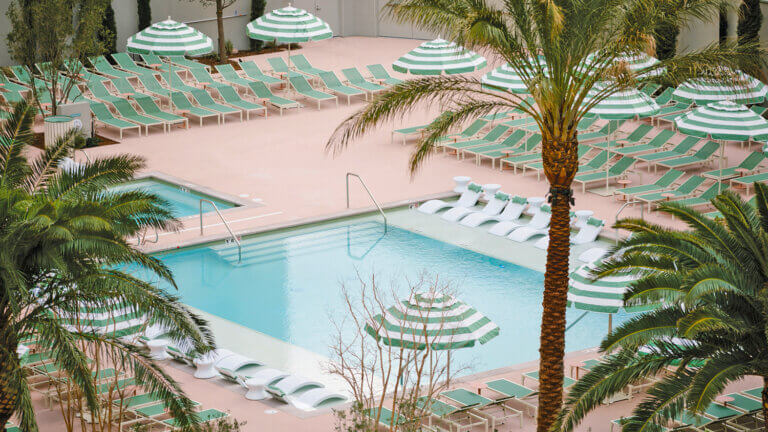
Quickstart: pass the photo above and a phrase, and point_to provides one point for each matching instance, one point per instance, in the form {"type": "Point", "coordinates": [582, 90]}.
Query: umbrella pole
{"type": "Point", "coordinates": [608, 161]}
{"type": "Point", "coordinates": [720, 175]}
{"type": "Point", "coordinates": [610, 323]}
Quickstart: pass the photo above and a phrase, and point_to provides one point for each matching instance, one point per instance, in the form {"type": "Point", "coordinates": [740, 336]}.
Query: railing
{"type": "Point", "coordinates": [616, 218]}
{"type": "Point", "coordinates": [141, 237]}
{"type": "Point", "coordinates": [232, 234]}
{"type": "Point", "coordinates": [376, 203]}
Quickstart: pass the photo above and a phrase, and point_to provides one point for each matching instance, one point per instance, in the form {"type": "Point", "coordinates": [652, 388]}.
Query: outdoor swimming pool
{"type": "Point", "coordinates": [288, 285]}
{"type": "Point", "coordinates": [183, 200]}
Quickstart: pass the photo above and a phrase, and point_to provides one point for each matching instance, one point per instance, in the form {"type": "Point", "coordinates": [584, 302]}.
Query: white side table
{"type": "Point", "coordinates": [157, 349]}
{"type": "Point", "coordinates": [535, 204]}
{"type": "Point", "coordinates": [490, 190]}
{"type": "Point", "coordinates": [256, 389]}
{"type": "Point", "coordinates": [205, 369]}
{"type": "Point", "coordinates": [461, 183]}
{"type": "Point", "coordinates": [582, 216]}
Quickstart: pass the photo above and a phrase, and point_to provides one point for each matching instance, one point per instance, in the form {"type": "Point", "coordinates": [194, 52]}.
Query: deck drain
{"type": "Point", "coordinates": [270, 411]}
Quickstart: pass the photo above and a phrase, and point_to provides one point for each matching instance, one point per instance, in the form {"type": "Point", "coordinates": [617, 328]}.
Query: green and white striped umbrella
{"type": "Point", "coordinates": [437, 57]}
{"type": "Point", "coordinates": [725, 121]}
{"type": "Point", "coordinates": [169, 38]}
{"type": "Point", "coordinates": [288, 25]}
{"type": "Point", "coordinates": [605, 295]}
{"type": "Point", "coordinates": [449, 324]}
{"type": "Point", "coordinates": [120, 320]}
{"type": "Point", "coordinates": [507, 78]}
{"type": "Point", "coordinates": [744, 89]}
{"type": "Point", "coordinates": [624, 104]}
{"type": "Point", "coordinates": [636, 62]}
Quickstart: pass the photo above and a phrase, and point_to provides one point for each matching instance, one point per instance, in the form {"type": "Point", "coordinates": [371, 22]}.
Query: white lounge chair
{"type": "Point", "coordinates": [258, 381]}
{"type": "Point", "coordinates": [315, 397]}
{"type": "Point", "coordinates": [587, 234]}
{"type": "Point", "coordinates": [524, 233]}
{"type": "Point", "coordinates": [290, 385]}
{"type": "Point", "coordinates": [592, 255]}
{"type": "Point", "coordinates": [492, 208]}
{"type": "Point", "coordinates": [468, 198]}
{"type": "Point", "coordinates": [539, 220]}
{"type": "Point", "coordinates": [512, 211]}
{"type": "Point", "coordinates": [234, 363]}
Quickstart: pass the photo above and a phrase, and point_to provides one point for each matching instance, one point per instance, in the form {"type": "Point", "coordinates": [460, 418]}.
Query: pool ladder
{"type": "Point", "coordinates": [376, 203]}
{"type": "Point", "coordinates": [231, 234]}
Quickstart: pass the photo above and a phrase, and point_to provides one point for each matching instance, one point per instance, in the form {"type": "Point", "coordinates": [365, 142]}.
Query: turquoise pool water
{"type": "Point", "coordinates": [183, 201]}
{"type": "Point", "coordinates": [288, 286]}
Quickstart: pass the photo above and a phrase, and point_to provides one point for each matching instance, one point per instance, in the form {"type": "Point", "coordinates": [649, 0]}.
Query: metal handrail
{"type": "Point", "coordinates": [616, 218]}
{"type": "Point", "coordinates": [376, 203]}
{"type": "Point", "coordinates": [232, 234]}
{"type": "Point", "coordinates": [141, 237]}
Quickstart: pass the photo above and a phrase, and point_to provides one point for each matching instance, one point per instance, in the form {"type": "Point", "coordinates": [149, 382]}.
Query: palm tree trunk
{"type": "Point", "coordinates": [9, 394]}
{"type": "Point", "coordinates": [765, 403]}
{"type": "Point", "coordinates": [560, 165]}
{"type": "Point", "coordinates": [220, 28]}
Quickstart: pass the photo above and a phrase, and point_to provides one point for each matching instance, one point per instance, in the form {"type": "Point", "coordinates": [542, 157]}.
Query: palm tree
{"type": "Point", "coordinates": [562, 33]}
{"type": "Point", "coordinates": [62, 244]}
{"type": "Point", "coordinates": [711, 280]}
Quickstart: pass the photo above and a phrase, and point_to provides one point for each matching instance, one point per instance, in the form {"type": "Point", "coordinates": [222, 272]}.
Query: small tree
{"type": "Point", "coordinates": [220, 6]}
{"type": "Point", "coordinates": [750, 21]}
{"type": "Point", "coordinates": [257, 10]}
{"type": "Point", "coordinates": [49, 32]}
{"type": "Point", "coordinates": [108, 31]}
{"type": "Point", "coordinates": [145, 14]}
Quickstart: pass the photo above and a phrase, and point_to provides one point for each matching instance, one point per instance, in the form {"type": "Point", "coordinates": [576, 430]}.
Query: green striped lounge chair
{"type": "Point", "coordinates": [747, 405]}
{"type": "Point", "coordinates": [661, 184]}
{"type": "Point", "coordinates": [179, 84]}
{"type": "Point", "coordinates": [759, 110]}
{"type": "Point", "coordinates": [304, 66]}
{"type": "Point", "coordinates": [76, 67]}
{"type": "Point", "coordinates": [267, 97]}
{"type": "Point", "coordinates": [279, 66]}
{"type": "Point", "coordinates": [128, 112]}
{"type": "Point", "coordinates": [679, 150]}
{"type": "Point", "coordinates": [747, 181]}
{"type": "Point", "coordinates": [514, 391]}
{"type": "Point", "coordinates": [302, 87]}
{"type": "Point", "coordinates": [495, 413]}
{"type": "Point", "coordinates": [405, 132]}
{"type": "Point", "coordinates": [181, 61]}
{"type": "Point", "coordinates": [638, 135]}
{"type": "Point", "coordinates": [664, 97]}
{"type": "Point", "coordinates": [705, 198]}
{"type": "Point", "coordinates": [104, 67]}
{"type": "Point", "coordinates": [456, 418]}
{"type": "Point", "coordinates": [334, 85]}
{"type": "Point", "coordinates": [601, 134]}
{"type": "Point", "coordinates": [669, 112]}
{"type": "Point", "coordinates": [232, 98]}
{"type": "Point", "coordinates": [527, 147]}
{"type": "Point", "coordinates": [205, 416]}
{"type": "Point", "coordinates": [104, 116]}
{"type": "Point", "coordinates": [615, 172]}
{"type": "Point", "coordinates": [534, 375]}
{"type": "Point", "coordinates": [204, 99]}
{"type": "Point", "coordinates": [489, 138]}
{"type": "Point", "coordinates": [617, 425]}
{"type": "Point", "coordinates": [230, 75]}
{"type": "Point", "coordinates": [470, 131]}
{"type": "Point", "coordinates": [496, 151]}
{"type": "Point", "coordinates": [11, 86]}
{"type": "Point", "coordinates": [387, 418]}
{"type": "Point", "coordinates": [684, 190]}
{"type": "Point", "coordinates": [205, 78]}
{"type": "Point", "coordinates": [183, 104]}
{"type": "Point", "coordinates": [151, 109]}
{"type": "Point", "coordinates": [656, 144]}
{"type": "Point", "coordinates": [100, 92]}
{"type": "Point", "coordinates": [156, 62]}
{"type": "Point", "coordinates": [747, 166]}
{"type": "Point", "coordinates": [650, 88]}
{"type": "Point", "coordinates": [519, 161]}
{"type": "Point", "coordinates": [126, 63]}
{"type": "Point", "coordinates": [356, 79]}
{"type": "Point", "coordinates": [254, 72]}
{"type": "Point", "coordinates": [125, 88]}
{"type": "Point", "coordinates": [702, 157]}
{"type": "Point", "coordinates": [381, 75]}
{"type": "Point", "coordinates": [153, 86]}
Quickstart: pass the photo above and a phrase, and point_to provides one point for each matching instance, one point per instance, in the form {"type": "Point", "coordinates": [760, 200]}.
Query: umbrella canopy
{"type": "Point", "coordinates": [449, 324]}
{"type": "Point", "coordinates": [119, 320]}
{"type": "Point", "coordinates": [636, 62]}
{"type": "Point", "coordinates": [438, 56]}
{"type": "Point", "coordinates": [744, 89]}
{"type": "Point", "coordinates": [507, 78]}
{"type": "Point", "coordinates": [288, 25]}
{"type": "Point", "coordinates": [605, 295]}
{"type": "Point", "coordinates": [169, 38]}
{"type": "Point", "coordinates": [726, 121]}
{"type": "Point", "coordinates": [625, 104]}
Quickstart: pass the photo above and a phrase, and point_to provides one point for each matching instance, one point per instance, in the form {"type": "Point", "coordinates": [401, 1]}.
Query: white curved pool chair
{"type": "Point", "coordinates": [234, 363]}
{"type": "Point", "coordinates": [315, 397]}
{"type": "Point", "coordinates": [587, 234]}
{"type": "Point", "coordinates": [512, 211]}
{"type": "Point", "coordinates": [468, 198]}
{"type": "Point", "coordinates": [492, 208]}
{"type": "Point", "coordinates": [539, 220]}
{"type": "Point", "coordinates": [524, 233]}
{"type": "Point", "coordinates": [592, 255]}
{"type": "Point", "coordinates": [290, 385]}
{"type": "Point", "coordinates": [263, 375]}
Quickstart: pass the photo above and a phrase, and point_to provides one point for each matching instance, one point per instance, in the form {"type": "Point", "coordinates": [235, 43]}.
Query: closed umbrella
{"type": "Point", "coordinates": [724, 121]}
{"type": "Point", "coordinates": [289, 25]}
{"type": "Point", "coordinates": [437, 57]}
{"type": "Point", "coordinates": [743, 89]}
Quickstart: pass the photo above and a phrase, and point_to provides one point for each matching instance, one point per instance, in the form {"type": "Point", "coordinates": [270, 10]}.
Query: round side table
{"type": "Point", "coordinates": [157, 349]}
{"type": "Point", "coordinates": [461, 183]}
{"type": "Point", "coordinates": [582, 216]}
{"type": "Point", "coordinates": [205, 369]}
{"type": "Point", "coordinates": [490, 190]}
{"type": "Point", "coordinates": [535, 204]}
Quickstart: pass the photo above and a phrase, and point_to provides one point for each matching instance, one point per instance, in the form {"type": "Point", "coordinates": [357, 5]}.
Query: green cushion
{"type": "Point", "coordinates": [501, 196]}
{"type": "Point", "coordinates": [474, 187]}
{"type": "Point", "coordinates": [519, 200]}
{"type": "Point", "coordinates": [595, 222]}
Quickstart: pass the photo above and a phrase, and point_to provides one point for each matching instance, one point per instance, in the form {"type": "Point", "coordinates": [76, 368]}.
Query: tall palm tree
{"type": "Point", "coordinates": [563, 33]}
{"type": "Point", "coordinates": [63, 241]}
{"type": "Point", "coordinates": [711, 280]}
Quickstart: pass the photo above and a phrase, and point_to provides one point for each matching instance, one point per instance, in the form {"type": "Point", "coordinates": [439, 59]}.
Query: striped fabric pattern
{"type": "Point", "coordinates": [605, 295]}
{"type": "Point", "coordinates": [288, 25]}
{"type": "Point", "coordinates": [745, 89]}
{"type": "Point", "coordinates": [169, 38]}
{"type": "Point", "coordinates": [119, 320]}
{"type": "Point", "coordinates": [724, 121]}
{"type": "Point", "coordinates": [438, 321]}
{"type": "Point", "coordinates": [506, 78]}
{"type": "Point", "coordinates": [437, 57]}
{"type": "Point", "coordinates": [636, 62]}
{"type": "Point", "coordinates": [624, 104]}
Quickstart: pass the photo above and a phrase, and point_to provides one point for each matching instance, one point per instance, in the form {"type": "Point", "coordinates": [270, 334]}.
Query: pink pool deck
{"type": "Point", "coordinates": [284, 164]}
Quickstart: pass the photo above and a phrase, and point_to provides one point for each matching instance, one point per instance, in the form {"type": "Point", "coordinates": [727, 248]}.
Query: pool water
{"type": "Point", "coordinates": [288, 286]}
{"type": "Point", "coordinates": [183, 201]}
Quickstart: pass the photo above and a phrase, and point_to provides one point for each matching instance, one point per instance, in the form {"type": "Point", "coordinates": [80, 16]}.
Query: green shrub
{"type": "Point", "coordinates": [257, 10]}
{"type": "Point", "coordinates": [145, 13]}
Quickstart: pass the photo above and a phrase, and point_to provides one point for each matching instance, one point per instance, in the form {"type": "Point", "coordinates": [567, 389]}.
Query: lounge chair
{"type": "Point", "coordinates": [152, 85]}
{"type": "Point", "coordinates": [664, 97]}
{"type": "Point", "coordinates": [290, 385]}
{"type": "Point", "coordinates": [702, 157]}
{"type": "Point", "coordinates": [747, 181]}
{"type": "Point", "coordinates": [302, 87]}
{"type": "Point", "coordinates": [656, 144]}
{"type": "Point", "coordinates": [471, 130]}
{"type": "Point", "coordinates": [255, 381]}
{"type": "Point", "coordinates": [601, 134]}
{"type": "Point", "coordinates": [746, 167]}
{"type": "Point", "coordinates": [333, 84]}
{"type": "Point", "coordinates": [387, 418]}
{"type": "Point", "coordinates": [637, 135]}
{"type": "Point", "coordinates": [405, 132]}
{"type": "Point", "coordinates": [76, 68]}
{"type": "Point", "coordinates": [304, 66]}
{"type": "Point", "coordinates": [508, 148]}
{"type": "Point", "coordinates": [679, 150]}
{"type": "Point", "coordinates": [267, 97]}
{"type": "Point", "coordinates": [182, 104]}
{"type": "Point", "coordinates": [204, 99]}
{"type": "Point", "coordinates": [206, 80]}
{"type": "Point", "coordinates": [682, 191]}
{"type": "Point", "coordinates": [586, 234]}
{"type": "Point", "coordinates": [533, 161]}
{"type": "Point", "coordinates": [489, 138]}
{"type": "Point", "coordinates": [512, 210]}
{"type": "Point", "coordinates": [203, 417]}
{"type": "Point", "coordinates": [381, 75]}
{"type": "Point", "coordinates": [9, 85]}
{"type": "Point", "coordinates": [126, 63]}
{"type": "Point", "coordinates": [105, 117]}
{"type": "Point", "coordinates": [253, 71]}
{"type": "Point", "coordinates": [662, 183]}
{"type": "Point", "coordinates": [126, 89]}
{"type": "Point", "coordinates": [516, 392]}
{"type": "Point", "coordinates": [595, 163]}
{"type": "Point", "coordinates": [232, 98]}
{"type": "Point", "coordinates": [534, 375]}
{"type": "Point", "coordinates": [101, 93]}
{"type": "Point", "coordinates": [151, 109]}
{"type": "Point", "coordinates": [493, 207]}
{"type": "Point", "coordinates": [316, 397]}
{"type": "Point", "coordinates": [759, 110]}
{"type": "Point", "coordinates": [705, 198]}
{"type": "Point", "coordinates": [616, 171]}
{"type": "Point", "coordinates": [674, 110]}
{"type": "Point", "coordinates": [279, 66]}
{"type": "Point", "coordinates": [181, 61]}
{"type": "Point", "coordinates": [495, 412]}
{"type": "Point", "coordinates": [650, 88]}
{"type": "Point", "coordinates": [128, 112]}
{"type": "Point", "coordinates": [467, 199]}
{"type": "Point", "coordinates": [104, 67]}
{"type": "Point", "coordinates": [156, 62]}
{"type": "Point", "coordinates": [180, 85]}
{"type": "Point", "coordinates": [230, 75]}
{"type": "Point", "coordinates": [234, 363]}
{"type": "Point", "coordinates": [539, 221]}
{"type": "Point", "coordinates": [356, 79]}
{"type": "Point", "coordinates": [456, 418]}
